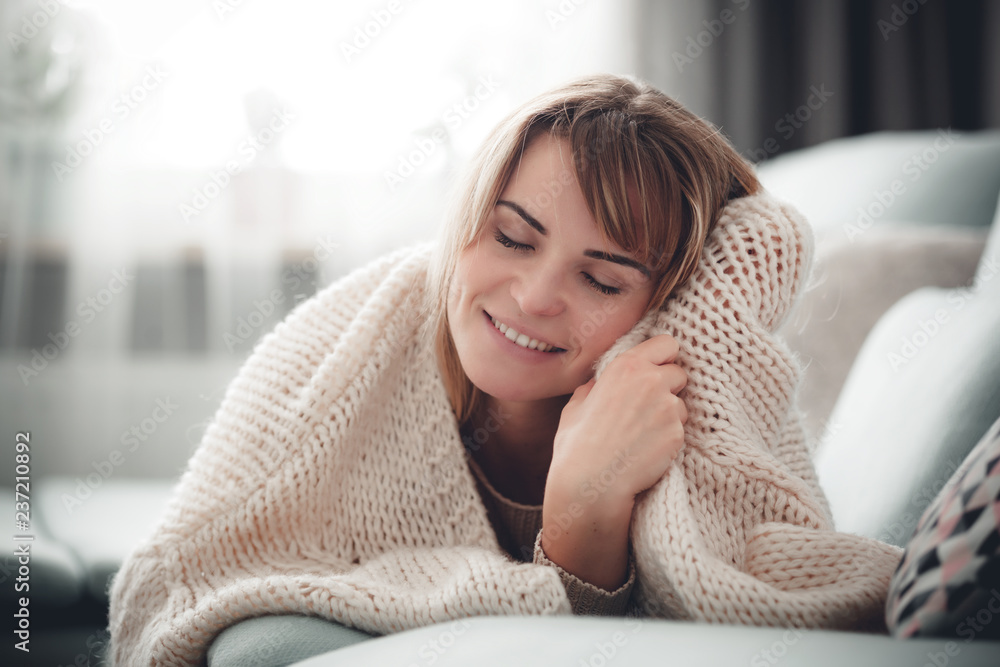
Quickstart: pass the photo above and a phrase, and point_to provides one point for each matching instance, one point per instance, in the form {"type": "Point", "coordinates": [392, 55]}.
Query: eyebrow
{"type": "Point", "coordinates": [596, 254]}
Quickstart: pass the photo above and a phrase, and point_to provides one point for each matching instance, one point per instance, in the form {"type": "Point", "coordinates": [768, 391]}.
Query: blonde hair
{"type": "Point", "coordinates": [626, 137]}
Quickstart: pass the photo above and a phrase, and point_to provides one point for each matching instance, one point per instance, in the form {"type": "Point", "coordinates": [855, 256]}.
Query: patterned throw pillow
{"type": "Point", "coordinates": [948, 582]}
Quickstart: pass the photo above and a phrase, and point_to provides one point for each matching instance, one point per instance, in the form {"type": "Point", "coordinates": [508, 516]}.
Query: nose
{"type": "Point", "coordinates": [538, 291]}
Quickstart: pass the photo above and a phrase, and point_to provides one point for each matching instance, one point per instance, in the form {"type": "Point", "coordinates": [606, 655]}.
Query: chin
{"type": "Point", "coordinates": [508, 389]}
{"type": "Point", "coordinates": [518, 389]}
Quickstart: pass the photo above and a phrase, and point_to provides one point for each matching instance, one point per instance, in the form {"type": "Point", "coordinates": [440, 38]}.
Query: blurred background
{"type": "Point", "coordinates": [176, 177]}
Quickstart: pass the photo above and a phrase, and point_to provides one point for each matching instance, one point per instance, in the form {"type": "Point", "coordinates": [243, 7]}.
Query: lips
{"type": "Point", "coordinates": [523, 339]}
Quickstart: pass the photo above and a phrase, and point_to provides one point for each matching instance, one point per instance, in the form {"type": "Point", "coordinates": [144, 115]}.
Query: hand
{"type": "Point", "coordinates": [617, 436]}
{"type": "Point", "coordinates": [630, 422]}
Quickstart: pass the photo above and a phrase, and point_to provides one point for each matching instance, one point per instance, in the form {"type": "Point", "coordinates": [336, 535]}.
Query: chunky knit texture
{"type": "Point", "coordinates": [333, 480]}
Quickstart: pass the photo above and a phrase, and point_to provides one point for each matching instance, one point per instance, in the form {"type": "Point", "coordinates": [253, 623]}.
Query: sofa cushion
{"type": "Point", "coordinates": [950, 572]}
{"type": "Point", "coordinates": [853, 284]}
{"type": "Point", "coordinates": [76, 511]}
{"type": "Point", "coordinates": [924, 389]}
{"type": "Point", "coordinates": [57, 578]}
{"type": "Point", "coordinates": [935, 177]}
{"type": "Point", "coordinates": [276, 641]}
{"type": "Point", "coordinates": [582, 641]}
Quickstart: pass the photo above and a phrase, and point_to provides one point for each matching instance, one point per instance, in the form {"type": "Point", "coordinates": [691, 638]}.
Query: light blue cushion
{"type": "Point", "coordinates": [277, 641]}
{"type": "Point", "coordinates": [577, 641]}
{"type": "Point", "coordinates": [923, 390]}
{"type": "Point", "coordinates": [944, 178]}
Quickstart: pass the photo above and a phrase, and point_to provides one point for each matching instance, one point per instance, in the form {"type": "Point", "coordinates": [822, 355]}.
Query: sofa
{"type": "Point", "coordinates": [898, 331]}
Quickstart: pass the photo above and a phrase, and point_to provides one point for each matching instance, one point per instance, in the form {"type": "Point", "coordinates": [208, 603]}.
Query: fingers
{"type": "Point", "coordinates": [676, 377]}
{"type": "Point", "coordinates": [659, 350]}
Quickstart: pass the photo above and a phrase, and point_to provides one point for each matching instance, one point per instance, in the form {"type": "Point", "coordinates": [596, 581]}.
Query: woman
{"type": "Point", "coordinates": [492, 425]}
{"type": "Point", "coordinates": [580, 205]}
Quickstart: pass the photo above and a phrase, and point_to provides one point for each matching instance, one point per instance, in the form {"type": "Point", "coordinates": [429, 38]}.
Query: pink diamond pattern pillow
{"type": "Point", "coordinates": [948, 582]}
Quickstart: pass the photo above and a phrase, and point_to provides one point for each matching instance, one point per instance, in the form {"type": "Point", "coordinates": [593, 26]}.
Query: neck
{"type": "Point", "coordinates": [512, 443]}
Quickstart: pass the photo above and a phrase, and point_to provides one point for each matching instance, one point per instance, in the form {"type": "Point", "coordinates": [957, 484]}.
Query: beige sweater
{"type": "Point", "coordinates": [333, 480]}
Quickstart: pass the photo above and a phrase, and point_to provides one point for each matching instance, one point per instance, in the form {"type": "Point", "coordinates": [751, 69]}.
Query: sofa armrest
{"type": "Point", "coordinates": [591, 642]}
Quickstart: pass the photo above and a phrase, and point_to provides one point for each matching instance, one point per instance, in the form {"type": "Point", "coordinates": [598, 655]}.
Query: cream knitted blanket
{"type": "Point", "coordinates": [333, 481]}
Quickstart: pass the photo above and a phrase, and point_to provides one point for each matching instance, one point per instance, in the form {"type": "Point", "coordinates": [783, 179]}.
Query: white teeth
{"type": "Point", "coordinates": [520, 338]}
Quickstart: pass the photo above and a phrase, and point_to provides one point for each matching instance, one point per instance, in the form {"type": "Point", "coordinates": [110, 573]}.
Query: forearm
{"type": "Point", "coordinates": [587, 536]}
{"type": "Point", "coordinates": [585, 598]}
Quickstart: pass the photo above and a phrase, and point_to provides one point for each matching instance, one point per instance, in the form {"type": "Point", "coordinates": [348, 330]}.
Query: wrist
{"type": "Point", "coordinates": [588, 536]}
{"type": "Point", "coordinates": [595, 498]}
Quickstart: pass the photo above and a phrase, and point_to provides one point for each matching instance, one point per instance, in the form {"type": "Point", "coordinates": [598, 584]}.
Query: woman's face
{"type": "Point", "coordinates": [540, 269]}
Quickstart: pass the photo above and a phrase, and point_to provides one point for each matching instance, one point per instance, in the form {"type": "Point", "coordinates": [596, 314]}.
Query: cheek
{"type": "Point", "coordinates": [477, 272]}
{"type": "Point", "coordinates": [463, 279]}
{"type": "Point", "coordinates": [605, 326]}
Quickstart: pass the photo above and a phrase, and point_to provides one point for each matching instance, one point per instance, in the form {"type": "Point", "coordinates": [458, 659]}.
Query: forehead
{"type": "Point", "coordinates": [545, 163]}
{"type": "Point", "coordinates": [543, 183]}
{"type": "Point", "coordinates": [544, 180]}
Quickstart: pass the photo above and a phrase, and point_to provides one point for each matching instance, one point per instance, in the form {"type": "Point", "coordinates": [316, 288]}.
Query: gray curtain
{"type": "Point", "coordinates": [777, 75]}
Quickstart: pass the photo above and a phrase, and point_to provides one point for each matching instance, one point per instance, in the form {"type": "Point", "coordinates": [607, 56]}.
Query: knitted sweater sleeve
{"type": "Point", "coordinates": [585, 598]}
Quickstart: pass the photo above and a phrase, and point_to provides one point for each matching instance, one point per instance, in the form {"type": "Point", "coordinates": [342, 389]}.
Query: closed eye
{"type": "Point", "coordinates": [508, 242]}
{"type": "Point", "coordinates": [601, 287]}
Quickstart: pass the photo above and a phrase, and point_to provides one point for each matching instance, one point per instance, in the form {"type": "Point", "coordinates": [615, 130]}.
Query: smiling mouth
{"type": "Point", "coordinates": [521, 339]}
